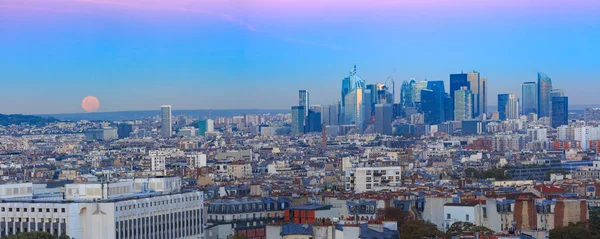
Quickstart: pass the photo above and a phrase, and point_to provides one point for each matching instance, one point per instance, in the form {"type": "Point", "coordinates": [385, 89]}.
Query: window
{"type": "Point", "coordinates": [448, 216]}
{"type": "Point", "coordinates": [467, 217]}
{"type": "Point", "coordinates": [56, 210]}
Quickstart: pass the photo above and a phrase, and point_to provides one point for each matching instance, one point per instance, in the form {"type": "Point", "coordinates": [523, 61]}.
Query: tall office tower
{"type": "Point", "coordinates": [383, 118]}
{"type": "Point", "coordinates": [448, 107]}
{"type": "Point", "coordinates": [330, 114]}
{"type": "Point", "coordinates": [406, 95]}
{"type": "Point", "coordinates": [313, 120]}
{"type": "Point", "coordinates": [463, 99]}
{"type": "Point", "coordinates": [483, 96]}
{"type": "Point", "coordinates": [369, 104]}
{"type": "Point", "coordinates": [529, 96]}
{"type": "Point", "coordinates": [478, 86]}
{"type": "Point", "coordinates": [457, 82]}
{"type": "Point", "coordinates": [415, 90]}
{"type": "Point", "coordinates": [560, 111]}
{"type": "Point", "coordinates": [432, 103]}
{"type": "Point", "coordinates": [508, 106]}
{"type": "Point", "coordinates": [353, 101]}
{"type": "Point", "coordinates": [166, 126]}
{"type": "Point", "coordinates": [555, 93]}
{"type": "Point", "coordinates": [304, 100]}
{"type": "Point", "coordinates": [544, 87]}
{"type": "Point", "coordinates": [298, 119]}
{"type": "Point", "coordinates": [429, 107]}
{"type": "Point", "coordinates": [205, 126]}
{"type": "Point", "coordinates": [370, 98]}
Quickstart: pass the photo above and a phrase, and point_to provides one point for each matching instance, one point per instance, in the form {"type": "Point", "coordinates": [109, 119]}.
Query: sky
{"type": "Point", "coordinates": [256, 54]}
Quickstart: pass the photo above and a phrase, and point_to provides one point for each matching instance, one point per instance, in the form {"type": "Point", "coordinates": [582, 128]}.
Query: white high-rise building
{"type": "Point", "coordinates": [166, 126]}
{"type": "Point", "coordinates": [157, 160]}
{"type": "Point", "coordinates": [363, 179]}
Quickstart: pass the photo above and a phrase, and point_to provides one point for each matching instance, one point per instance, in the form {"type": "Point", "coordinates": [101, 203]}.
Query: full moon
{"type": "Point", "coordinates": [90, 104]}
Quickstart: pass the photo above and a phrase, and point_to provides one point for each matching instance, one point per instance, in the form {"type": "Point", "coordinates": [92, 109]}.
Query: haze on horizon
{"type": "Point", "coordinates": [256, 54]}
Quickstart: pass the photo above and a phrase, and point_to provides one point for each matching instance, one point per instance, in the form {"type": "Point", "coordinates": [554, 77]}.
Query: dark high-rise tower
{"type": "Point", "coordinates": [384, 115]}
{"type": "Point", "coordinates": [544, 87]}
{"type": "Point", "coordinates": [432, 102]}
{"type": "Point", "coordinates": [529, 96]}
{"type": "Point", "coordinates": [560, 111]}
{"type": "Point", "coordinates": [457, 81]}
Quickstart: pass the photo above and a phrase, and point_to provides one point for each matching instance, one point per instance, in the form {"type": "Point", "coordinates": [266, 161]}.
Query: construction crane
{"type": "Point", "coordinates": [393, 79]}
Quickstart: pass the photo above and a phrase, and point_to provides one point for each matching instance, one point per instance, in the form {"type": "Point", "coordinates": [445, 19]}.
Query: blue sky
{"type": "Point", "coordinates": [137, 55]}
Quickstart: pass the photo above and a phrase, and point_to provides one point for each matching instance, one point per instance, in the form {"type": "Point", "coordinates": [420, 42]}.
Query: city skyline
{"type": "Point", "coordinates": [135, 55]}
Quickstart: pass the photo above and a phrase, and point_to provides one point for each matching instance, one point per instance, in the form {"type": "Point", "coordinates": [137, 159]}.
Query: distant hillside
{"type": "Point", "coordinates": [6, 120]}
{"type": "Point", "coordinates": [137, 115]}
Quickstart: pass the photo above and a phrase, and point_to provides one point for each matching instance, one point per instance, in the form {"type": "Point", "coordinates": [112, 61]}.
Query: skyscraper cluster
{"type": "Point", "coordinates": [372, 107]}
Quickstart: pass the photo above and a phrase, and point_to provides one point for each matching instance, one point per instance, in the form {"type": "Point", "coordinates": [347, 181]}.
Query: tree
{"type": "Point", "coordinates": [458, 228]}
{"type": "Point", "coordinates": [408, 226]}
{"type": "Point", "coordinates": [36, 235]}
{"type": "Point", "coordinates": [572, 231]}
{"type": "Point", "coordinates": [417, 229]}
{"type": "Point", "coordinates": [237, 236]}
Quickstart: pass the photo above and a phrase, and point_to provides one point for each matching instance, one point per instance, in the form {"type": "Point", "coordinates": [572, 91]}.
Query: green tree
{"type": "Point", "coordinates": [458, 228]}
{"type": "Point", "coordinates": [572, 231]}
{"type": "Point", "coordinates": [408, 226]}
{"type": "Point", "coordinates": [237, 236]}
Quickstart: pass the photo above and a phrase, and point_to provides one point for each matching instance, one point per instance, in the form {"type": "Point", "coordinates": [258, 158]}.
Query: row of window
{"type": "Point", "coordinates": [26, 219]}
{"type": "Point", "coordinates": [10, 209]}
{"type": "Point", "coordinates": [216, 217]}
{"type": "Point", "coordinates": [180, 224]}
{"type": "Point", "coordinates": [10, 231]}
{"type": "Point", "coordinates": [157, 203]}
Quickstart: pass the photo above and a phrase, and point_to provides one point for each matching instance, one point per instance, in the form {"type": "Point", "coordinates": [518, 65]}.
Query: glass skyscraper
{"type": "Point", "coordinates": [432, 102]}
{"type": "Point", "coordinates": [508, 106]}
{"type": "Point", "coordinates": [415, 88]}
{"type": "Point", "coordinates": [298, 119]}
{"type": "Point", "coordinates": [463, 98]}
{"type": "Point", "coordinates": [384, 115]}
{"type": "Point", "coordinates": [529, 96]}
{"type": "Point", "coordinates": [353, 106]}
{"type": "Point", "coordinates": [457, 81]}
{"type": "Point", "coordinates": [478, 86]}
{"type": "Point", "coordinates": [544, 87]}
{"type": "Point", "coordinates": [406, 95]}
{"type": "Point", "coordinates": [560, 111]}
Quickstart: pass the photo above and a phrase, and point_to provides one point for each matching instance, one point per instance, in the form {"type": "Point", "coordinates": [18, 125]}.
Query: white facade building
{"type": "Point", "coordinates": [196, 160]}
{"type": "Point", "coordinates": [106, 210]}
{"type": "Point", "coordinates": [463, 212]}
{"type": "Point", "coordinates": [363, 179]}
